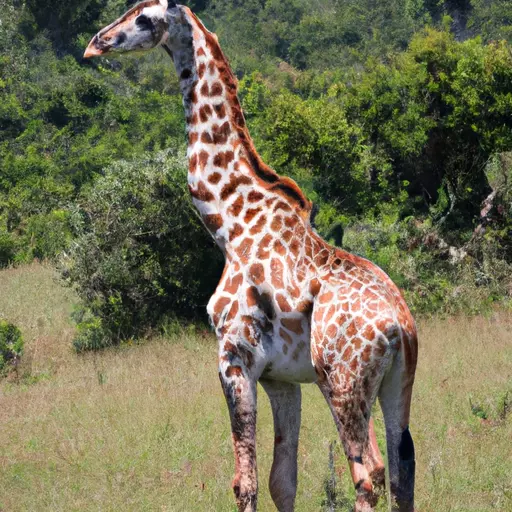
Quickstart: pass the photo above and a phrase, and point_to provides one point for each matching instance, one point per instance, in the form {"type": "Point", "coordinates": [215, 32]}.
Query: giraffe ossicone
{"type": "Point", "coordinates": [289, 308]}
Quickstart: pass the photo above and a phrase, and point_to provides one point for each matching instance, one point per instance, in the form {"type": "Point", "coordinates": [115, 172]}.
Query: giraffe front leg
{"type": "Point", "coordinates": [240, 392]}
{"type": "Point", "coordinates": [285, 399]}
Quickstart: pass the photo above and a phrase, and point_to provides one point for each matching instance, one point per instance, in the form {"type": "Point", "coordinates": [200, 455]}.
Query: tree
{"type": "Point", "coordinates": [141, 254]}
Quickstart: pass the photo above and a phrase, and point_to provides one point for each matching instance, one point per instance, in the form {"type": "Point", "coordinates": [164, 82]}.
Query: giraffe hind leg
{"type": "Point", "coordinates": [374, 461]}
{"type": "Point", "coordinates": [354, 430]}
{"type": "Point", "coordinates": [395, 398]}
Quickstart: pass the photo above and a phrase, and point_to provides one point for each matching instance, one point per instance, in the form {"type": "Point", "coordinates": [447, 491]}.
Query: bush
{"type": "Point", "coordinates": [45, 236]}
{"type": "Point", "coordinates": [91, 335]}
{"type": "Point", "coordinates": [8, 248]}
{"type": "Point", "coordinates": [11, 345]}
{"type": "Point", "coordinates": [141, 254]}
{"type": "Point", "coordinates": [434, 276]}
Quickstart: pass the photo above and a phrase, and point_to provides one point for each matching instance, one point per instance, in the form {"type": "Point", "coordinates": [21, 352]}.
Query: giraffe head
{"type": "Point", "coordinates": [146, 25]}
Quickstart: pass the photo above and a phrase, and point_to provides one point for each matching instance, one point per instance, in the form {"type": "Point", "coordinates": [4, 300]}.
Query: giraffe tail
{"type": "Point", "coordinates": [395, 399]}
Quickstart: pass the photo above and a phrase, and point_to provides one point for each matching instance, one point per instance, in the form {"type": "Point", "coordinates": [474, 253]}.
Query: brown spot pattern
{"type": "Point", "coordinates": [326, 297]}
{"type": "Point", "coordinates": [201, 193]}
{"type": "Point", "coordinates": [258, 227]}
{"type": "Point", "coordinates": [252, 296]}
{"type": "Point", "coordinates": [235, 232]}
{"type": "Point", "coordinates": [221, 133]}
{"type": "Point", "coordinates": [234, 182]}
{"type": "Point", "coordinates": [237, 206]}
{"type": "Point", "coordinates": [220, 305]}
{"type": "Point", "coordinates": [233, 284]}
{"type": "Point", "coordinates": [276, 271]}
{"type": "Point", "coordinates": [220, 109]}
{"type": "Point", "coordinates": [233, 311]}
{"type": "Point", "coordinates": [283, 304]}
{"type": "Point", "coordinates": [213, 222]}
{"type": "Point", "coordinates": [204, 113]}
{"type": "Point", "coordinates": [250, 214]}
{"type": "Point", "coordinates": [205, 91]}
{"type": "Point", "coordinates": [216, 89]}
{"type": "Point", "coordinates": [192, 164]}
{"type": "Point", "coordinates": [254, 196]}
{"type": "Point", "coordinates": [203, 159]}
{"type": "Point", "coordinates": [277, 223]}
{"type": "Point", "coordinates": [233, 371]}
{"type": "Point", "coordinates": [293, 325]}
{"type": "Point", "coordinates": [223, 159]}
{"type": "Point", "coordinates": [263, 248]}
{"type": "Point", "coordinates": [257, 273]}
{"type": "Point", "coordinates": [206, 138]}
{"type": "Point", "coordinates": [214, 178]}
{"type": "Point", "coordinates": [281, 205]}
{"type": "Point", "coordinates": [279, 248]}
{"type": "Point", "coordinates": [244, 250]}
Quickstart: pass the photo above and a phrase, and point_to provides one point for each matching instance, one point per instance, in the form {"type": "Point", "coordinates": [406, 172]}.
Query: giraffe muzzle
{"type": "Point", "coordinates": [96, 47]}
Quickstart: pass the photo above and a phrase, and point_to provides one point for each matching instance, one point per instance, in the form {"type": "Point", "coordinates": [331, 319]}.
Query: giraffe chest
{"type": "Point", "coordinates": [276, 343]}
{"type": "Point", "coordinates": [263, 303]}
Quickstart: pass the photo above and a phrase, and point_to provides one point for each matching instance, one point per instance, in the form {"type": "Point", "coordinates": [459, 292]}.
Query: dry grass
{"type": "Point", "coordinates": [146, 427]}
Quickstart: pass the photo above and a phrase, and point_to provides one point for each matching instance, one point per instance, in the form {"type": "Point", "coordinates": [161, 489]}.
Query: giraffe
{"type": "Point", "coordinates": [289, 308]}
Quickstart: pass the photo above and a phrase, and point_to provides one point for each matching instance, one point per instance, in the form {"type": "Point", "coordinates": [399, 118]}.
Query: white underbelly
{"type": "Point", "coordinates": [290, 362]}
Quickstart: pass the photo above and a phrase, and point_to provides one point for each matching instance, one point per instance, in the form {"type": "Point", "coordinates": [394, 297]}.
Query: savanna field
{"type": "Point", "coordinates": [145, 426]}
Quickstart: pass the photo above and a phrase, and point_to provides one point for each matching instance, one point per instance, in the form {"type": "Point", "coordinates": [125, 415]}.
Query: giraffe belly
{"type": "Point", "coordinates": [290, 362]}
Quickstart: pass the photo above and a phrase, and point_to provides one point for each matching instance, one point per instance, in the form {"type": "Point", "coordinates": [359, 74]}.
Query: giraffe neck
{"type": "Point", "coordinates": [229, 182]}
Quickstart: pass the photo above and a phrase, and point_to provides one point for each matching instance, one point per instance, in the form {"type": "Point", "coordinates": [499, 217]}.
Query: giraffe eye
{"type": "Point", "coordinates": [144, 23]}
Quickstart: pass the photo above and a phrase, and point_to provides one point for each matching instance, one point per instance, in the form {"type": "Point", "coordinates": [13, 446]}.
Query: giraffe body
{"type": "Point", "coordinates": [289, 308]}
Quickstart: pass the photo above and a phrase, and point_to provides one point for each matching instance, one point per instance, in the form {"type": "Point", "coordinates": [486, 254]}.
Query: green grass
{"type": "Point", "coordinates": [145, 427]}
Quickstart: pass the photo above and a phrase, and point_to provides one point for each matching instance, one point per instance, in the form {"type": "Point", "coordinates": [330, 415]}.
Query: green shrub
{"type": "Point", "coordinates": [141, 254]}
{"type": "Point", "coordinates": [45, 236]}
{"type": "Point", "coordinates": [91, 335]}
{"type": "Point", "coordinates": [11, 345]}
{"type": "Point", "coordinates": [418, 260]}
{"type": "Point", "coordinates": [8, 248]}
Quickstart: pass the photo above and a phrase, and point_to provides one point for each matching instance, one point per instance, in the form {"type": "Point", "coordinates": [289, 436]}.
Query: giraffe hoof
{"type": "Point", "coordinates": [378, 476]}
{"type": "Point", "coordinates": [245, 499]}
{"type": "Point", "coordinates": [367, 498]}
{"type": "Point", "coordinates": [246, 502]}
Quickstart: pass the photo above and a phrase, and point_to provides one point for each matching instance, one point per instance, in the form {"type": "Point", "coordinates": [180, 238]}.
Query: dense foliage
{"type": "Point", "coordinates": [11, 345]}
{"type": "Point", "coordinates": [140, 255]}
{"type": "Point", "coordinates": [395, 117]}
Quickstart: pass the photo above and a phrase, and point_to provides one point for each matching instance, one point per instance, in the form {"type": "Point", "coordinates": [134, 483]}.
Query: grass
{"type": "Point", "coordinates": [145, 427]}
